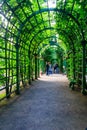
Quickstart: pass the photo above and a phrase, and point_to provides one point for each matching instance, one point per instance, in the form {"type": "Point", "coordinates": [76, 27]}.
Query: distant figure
{"type": "Point", "coordinates": [47, 68]}
{"type": "Point", "coordinates": [50, 68]}
{"type": "Point", "coordinates": [56, 69]}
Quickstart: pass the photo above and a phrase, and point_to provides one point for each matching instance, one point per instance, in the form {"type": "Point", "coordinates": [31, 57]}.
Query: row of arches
{"type": "Point", "coordinates": [27, 26]}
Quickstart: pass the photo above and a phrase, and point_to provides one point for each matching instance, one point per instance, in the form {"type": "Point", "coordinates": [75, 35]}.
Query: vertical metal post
{"type": "Point", "coordinates": [17, 68]}
{"type": "Point", "coordinates": [73, 65]}
{"type": "Point", "coordinates": [73, 60]}
{"type": "Point", "coordinates": [73, 70]}
{"type": "Point", "coordinates": [6, 63]}
{"type": "Point", "coordinates": [38, 68]}
{"type": "Point", "coordinates": [7, 78]}
{"type": "Point", "coordinates": [35, 66]}
{"type": "Point", "coordinates": [29, 66]}
{"type": "Point", "coordinates": [83, 67]}
{"type": "Point", "coordinates": [61, 63]}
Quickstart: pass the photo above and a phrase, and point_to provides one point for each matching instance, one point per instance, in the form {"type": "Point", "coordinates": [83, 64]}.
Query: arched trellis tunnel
{"type": "Point", "coordinates": [27, 27]}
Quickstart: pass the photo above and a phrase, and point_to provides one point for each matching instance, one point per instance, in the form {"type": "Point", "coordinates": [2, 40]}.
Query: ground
{"type": "Point", "coordinates": [48, 104]}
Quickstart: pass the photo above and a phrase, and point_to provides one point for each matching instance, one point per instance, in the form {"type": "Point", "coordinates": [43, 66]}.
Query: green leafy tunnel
{"type": "Point", "coordinates": [27, 30]}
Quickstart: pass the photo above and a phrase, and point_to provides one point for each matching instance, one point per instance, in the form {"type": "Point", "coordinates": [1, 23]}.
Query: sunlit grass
{"type": "Point", "coordinates": [2, 95]}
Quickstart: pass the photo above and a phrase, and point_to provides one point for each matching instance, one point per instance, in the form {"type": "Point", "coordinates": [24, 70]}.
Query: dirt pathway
{"type": "Point", "coordinates": [47, 105]}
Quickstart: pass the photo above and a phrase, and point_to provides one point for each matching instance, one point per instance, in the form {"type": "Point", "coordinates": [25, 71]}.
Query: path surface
{"type": "Point", "coordinates": [47, 105]}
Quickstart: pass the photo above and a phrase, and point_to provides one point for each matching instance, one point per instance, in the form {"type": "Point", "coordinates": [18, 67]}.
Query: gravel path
{"type": "Point", "coordinates": [47, 105]}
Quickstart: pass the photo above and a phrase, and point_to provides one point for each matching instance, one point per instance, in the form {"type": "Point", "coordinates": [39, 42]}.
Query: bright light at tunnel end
{"type": "Point", "coordinates": [51, 3]}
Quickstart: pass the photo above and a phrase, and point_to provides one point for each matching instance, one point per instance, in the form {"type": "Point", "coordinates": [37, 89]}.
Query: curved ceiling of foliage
{"type": "Point", "coordinates": [37, 22]}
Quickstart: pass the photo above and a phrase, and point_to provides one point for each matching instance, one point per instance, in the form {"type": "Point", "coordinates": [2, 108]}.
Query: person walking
{"type": "Point", "coordinates": [47, 68]}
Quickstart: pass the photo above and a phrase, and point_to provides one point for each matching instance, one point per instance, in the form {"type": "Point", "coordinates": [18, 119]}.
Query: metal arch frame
{"type": "Point", "coordinates": [30, 31]}
{"type": "Point", "coordinates": [47, 28]}
{"type": "Point", "coordinates": [40, 31]}
{"type": "Point", "coordinates": [50, 37]}
{"type": "Point", "coordinates": [63, 31]}
{"type": "Point", "coordinates": [51, 9]}
{"type": "Point", "coordinates": [41, 42]}
{"type": "Point", "coordinates": [47, 10]}
{"type": "Point", "coordinates": [13, 13]}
